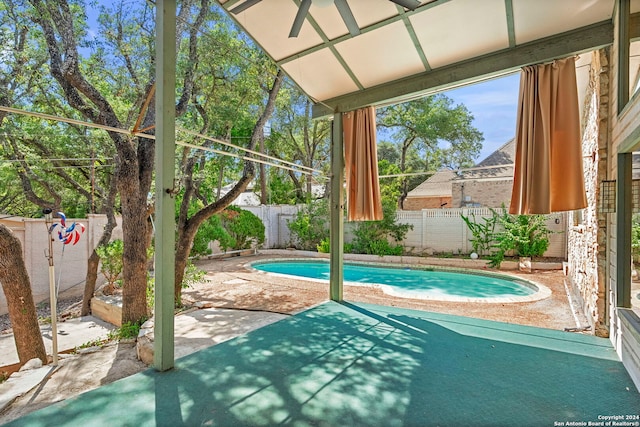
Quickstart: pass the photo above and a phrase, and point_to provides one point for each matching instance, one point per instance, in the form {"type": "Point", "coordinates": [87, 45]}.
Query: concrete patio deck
{"type": "Point", "coordinates": [368, 365]}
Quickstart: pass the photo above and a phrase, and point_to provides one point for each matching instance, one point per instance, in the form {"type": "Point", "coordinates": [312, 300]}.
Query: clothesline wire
{"type": "Point", "coordinates": [297, 168]}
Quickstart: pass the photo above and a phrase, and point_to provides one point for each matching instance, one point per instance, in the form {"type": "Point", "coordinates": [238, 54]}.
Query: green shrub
{"type": "Point", "coordinates": [324, 246]}
{"type": "Point", "coordinates": [244, 228]}
{"type": "Point", "coordinates": [210, 231]}
{"type": "Point", "coordinates": [372, 237]}
{"type": "Point", "coordinates": [127, 330]}
{"type": "Point", "coordinates": [310, 225]}
{"type": "Point", "coordinates": [111, 262]}
{"type": "Point", "coordinates": [635, 238]}
{"type": "Point", "coordinates": [203, 236]}
{"type": "Point", "coordinates": [484, 234]}
{"type": "Point", "coordinates": [525, 235]}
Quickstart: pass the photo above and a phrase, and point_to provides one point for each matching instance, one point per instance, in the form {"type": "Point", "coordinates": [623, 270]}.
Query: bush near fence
{"type": "Point", "coordinates": [444, 230]}
{"type": "Point", "coordinates": [434, 230]}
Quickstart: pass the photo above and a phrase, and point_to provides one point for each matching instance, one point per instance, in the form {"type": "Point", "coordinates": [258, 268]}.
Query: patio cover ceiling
{"type": "Point", "coordinates": [401, 54]}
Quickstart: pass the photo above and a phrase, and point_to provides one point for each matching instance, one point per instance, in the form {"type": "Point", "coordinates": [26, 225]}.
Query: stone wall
{"type": "Point", "coordinates": [587, 228]}
{"type": "Point", "coordinates": [490, 193]}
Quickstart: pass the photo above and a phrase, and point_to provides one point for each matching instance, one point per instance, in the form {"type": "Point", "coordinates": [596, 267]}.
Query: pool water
{"type": "Point", "coordinates": [413, 282]}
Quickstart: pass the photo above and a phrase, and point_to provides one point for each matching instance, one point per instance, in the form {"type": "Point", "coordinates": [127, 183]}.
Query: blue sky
{"type": "Point", "coordinates": [493, 105]}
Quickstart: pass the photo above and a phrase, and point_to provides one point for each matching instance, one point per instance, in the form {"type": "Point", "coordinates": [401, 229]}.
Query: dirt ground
{"type": "Point", "coordinates": [229, 284]}
{"type": "Point", "coordinates": [232, 284]}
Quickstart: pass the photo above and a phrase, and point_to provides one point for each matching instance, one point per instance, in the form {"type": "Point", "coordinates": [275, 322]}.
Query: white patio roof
{"type": "Point", "coordinates": [401, 54]}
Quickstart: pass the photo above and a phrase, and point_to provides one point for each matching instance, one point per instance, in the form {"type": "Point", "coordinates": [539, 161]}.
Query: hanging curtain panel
{"type": "Point", "coordinates": [548, 173]}
{"type": "Point", "coordinates": [361, 161]}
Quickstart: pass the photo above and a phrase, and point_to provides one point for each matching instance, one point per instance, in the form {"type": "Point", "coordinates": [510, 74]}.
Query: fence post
{"type": "Point", "coordinates": [465, 234]}
{"type": "Point", "coordinates": [265, 217]}
{"type": "Point", "coordinates": [423, 231]}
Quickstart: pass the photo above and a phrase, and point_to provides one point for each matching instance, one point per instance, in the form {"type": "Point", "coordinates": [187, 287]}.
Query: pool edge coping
{"type": "Point", "coordinates": [542, 293]}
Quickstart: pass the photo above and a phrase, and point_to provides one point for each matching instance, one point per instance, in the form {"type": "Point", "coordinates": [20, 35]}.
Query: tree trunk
{"type": "Point", "coordinates": [183, 248]}
{"type": "Point", "coordinates": [187, 233]}
{"type": "Point", "coordinates": [135, 157]}
{"type": "Point", "coordinates": [94, 259]}
{"type": "Point", "coordinates": [17, 290]}
{"type": "Point", "coordinates": [403, 168]}
{"type": "Point", "coordinates": [298, 187]}
{"type": "Point", "coordinates": [134, 233]}
{"type": "Point", "coordinates": [263, 177]}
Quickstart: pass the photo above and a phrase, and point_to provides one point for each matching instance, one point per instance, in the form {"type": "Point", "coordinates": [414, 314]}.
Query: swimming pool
{"type": "Point", "coordinates": [416, 281]}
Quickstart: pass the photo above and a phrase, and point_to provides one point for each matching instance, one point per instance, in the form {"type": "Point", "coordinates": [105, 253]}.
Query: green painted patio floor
{"type": "Point", "coordinates": [365, 365]}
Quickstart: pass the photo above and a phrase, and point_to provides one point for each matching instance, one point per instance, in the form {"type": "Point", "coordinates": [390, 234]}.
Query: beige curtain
{"type": "Point", "coordinates": [548, 165]}
{"type": "Point", "coordinates": [361, 161]}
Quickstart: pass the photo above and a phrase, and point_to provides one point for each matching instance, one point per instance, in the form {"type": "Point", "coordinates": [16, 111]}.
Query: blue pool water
{"type": "Point", "coordinates": [406, 281]}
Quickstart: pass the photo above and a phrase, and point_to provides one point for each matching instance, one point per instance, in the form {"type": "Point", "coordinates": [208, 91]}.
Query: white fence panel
{"type": "Point", "coordinates": [415, 236]}
{"type": "Point", "coordinates": [70, 261]}
{"type": "Point", "coordinates": [275, 217]}
{"type": "Point", "coordinates": [444, 230]}
{"type": "Point", "coordinates": [557, 223]}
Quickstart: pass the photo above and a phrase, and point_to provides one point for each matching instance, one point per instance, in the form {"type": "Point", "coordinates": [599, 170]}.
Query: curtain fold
{"type": "Point", "coordinates": [361, 163]}
{"type": "Point", "coordinates": [548, 173]}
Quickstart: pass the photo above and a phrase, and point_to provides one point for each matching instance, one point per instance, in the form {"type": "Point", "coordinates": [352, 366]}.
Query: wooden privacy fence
{"type": "Point", "coordinates": [444, 230]}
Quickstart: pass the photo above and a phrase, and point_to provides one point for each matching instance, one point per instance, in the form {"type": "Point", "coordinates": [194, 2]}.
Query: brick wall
{"type": "Point", "coordinates": [490, 194]}
{"type": "Point", "coordinates": [419, 203]}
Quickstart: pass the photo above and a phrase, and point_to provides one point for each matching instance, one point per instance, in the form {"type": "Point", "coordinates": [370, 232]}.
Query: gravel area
{"type": "Point", "coordinates": [231, 285]}
{"type": "Point", "coordinates": [68, 307]}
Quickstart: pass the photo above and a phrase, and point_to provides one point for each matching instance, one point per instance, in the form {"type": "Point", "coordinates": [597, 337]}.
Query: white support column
{"type": "Point", "coordinates": [163, 357]}
{"type": "Point", "coordinates": [336, 210]}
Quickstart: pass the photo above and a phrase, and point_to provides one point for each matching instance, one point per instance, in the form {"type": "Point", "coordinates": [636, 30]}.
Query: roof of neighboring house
{"type": "Point", "coordinates": [490, 167]}
{"type": "Point", "coordinates": [502, 156]}
{"type": "Point", "coordinates": [437, 185]}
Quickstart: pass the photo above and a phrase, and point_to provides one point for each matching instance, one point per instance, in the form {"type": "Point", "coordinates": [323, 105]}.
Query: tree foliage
{"type": "Point", "coordinates": [429, 134]}
{"type": "Point", "coordinates": [111, 262]}
{"type": "Point", "coordinates": [299, 139]}
{"type": "Point", "coordinates": [310, 225]}
{"type": "Point", "coordinates": [105, 75]}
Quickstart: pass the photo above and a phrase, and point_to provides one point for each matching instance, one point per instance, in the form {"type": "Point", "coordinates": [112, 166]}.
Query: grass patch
{"type": "Point", "coordinates": [127, 330]}
{"type": "Point", "coordinates": [93, 343]}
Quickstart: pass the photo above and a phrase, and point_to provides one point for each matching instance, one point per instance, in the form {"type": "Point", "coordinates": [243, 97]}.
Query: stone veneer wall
{"type": "Point", "coordinates": [586, 233]}
{"type": "Point", "coordinates": [489, 193]}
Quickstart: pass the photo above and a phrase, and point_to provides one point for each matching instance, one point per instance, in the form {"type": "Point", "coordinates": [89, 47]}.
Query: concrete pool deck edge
{"type": "Point", "coordinates": [542, 292]}
{"type": "Point", "coordinates": [479, 264]}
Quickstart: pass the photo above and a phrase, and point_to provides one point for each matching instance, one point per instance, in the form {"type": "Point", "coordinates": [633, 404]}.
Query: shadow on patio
{"type": "Point", "coordinates": [356, 364]}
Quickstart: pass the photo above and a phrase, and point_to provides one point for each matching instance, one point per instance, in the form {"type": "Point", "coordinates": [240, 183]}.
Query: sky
{"type": "Point", "coordinates": [493, 104]}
